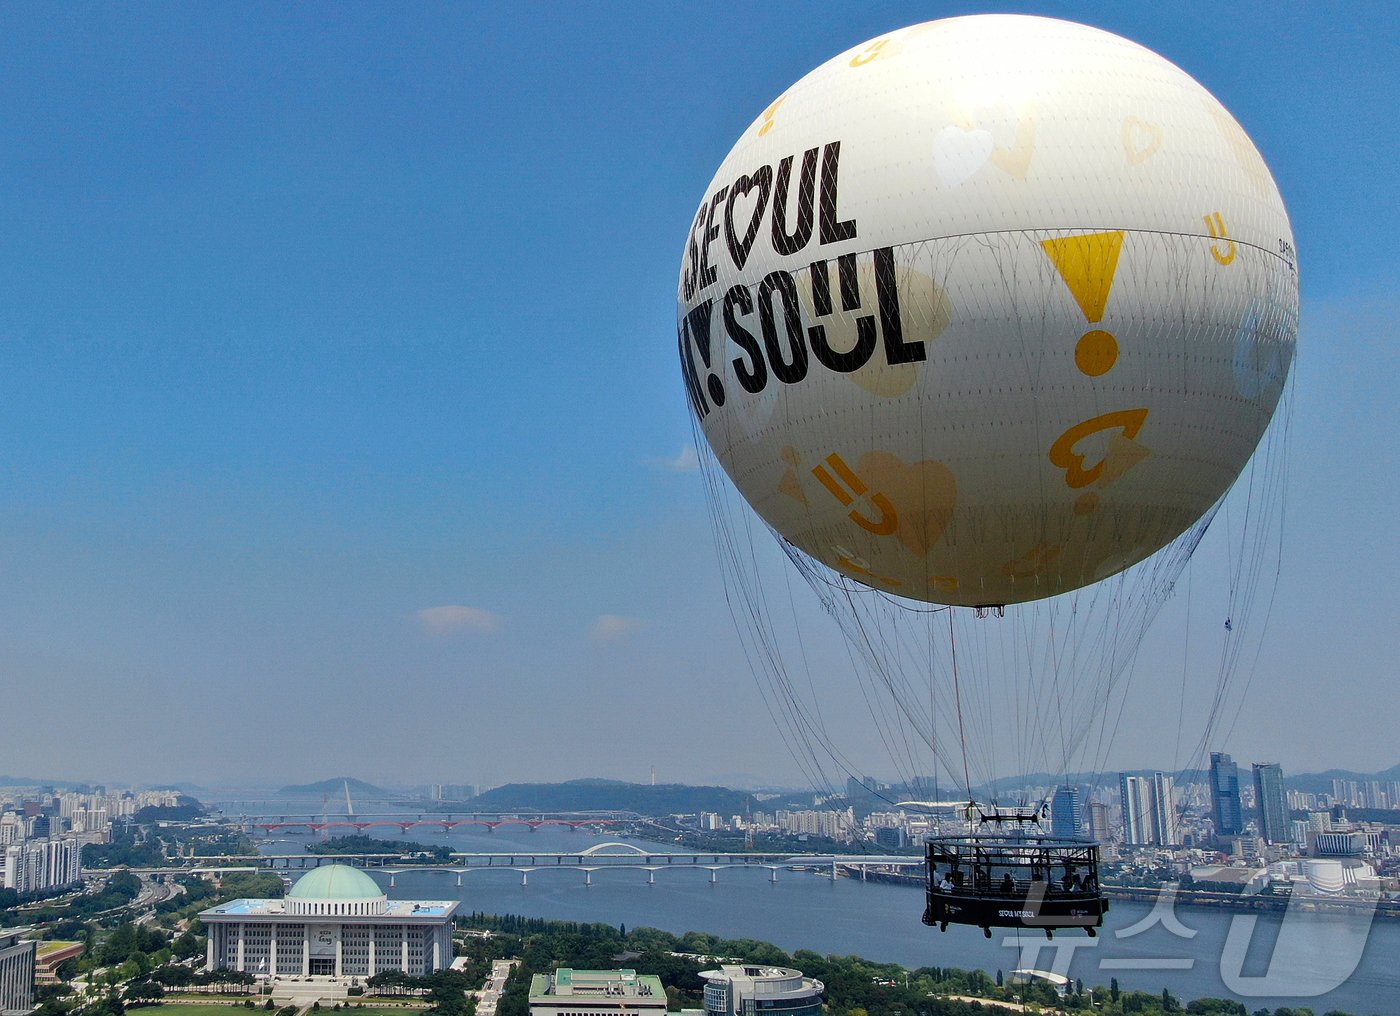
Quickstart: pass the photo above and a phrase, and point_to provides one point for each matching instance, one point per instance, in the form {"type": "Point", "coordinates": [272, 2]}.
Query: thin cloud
{"type": "Point", "coordinates": [611, 627]}
{"type": "Point", "coordinates": [452, 618]}
{"type": "Point", "coordinates": [686, 462]}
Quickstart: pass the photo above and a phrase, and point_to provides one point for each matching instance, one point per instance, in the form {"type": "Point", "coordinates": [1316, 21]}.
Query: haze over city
{"type": "Point", "coordinates": [346, 432]}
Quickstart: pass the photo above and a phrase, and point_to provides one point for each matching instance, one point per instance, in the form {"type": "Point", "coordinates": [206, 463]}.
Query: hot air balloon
{"type": "Point", "coordinates": [980, 313]}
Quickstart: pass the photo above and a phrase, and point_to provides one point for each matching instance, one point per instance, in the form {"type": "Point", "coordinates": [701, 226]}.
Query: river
{"type": "Point", "coordinates": [1290, 957]}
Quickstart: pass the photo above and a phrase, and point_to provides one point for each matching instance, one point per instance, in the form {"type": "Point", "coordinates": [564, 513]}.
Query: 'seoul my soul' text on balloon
{"type": "Point", "coordinates": [988, 309]}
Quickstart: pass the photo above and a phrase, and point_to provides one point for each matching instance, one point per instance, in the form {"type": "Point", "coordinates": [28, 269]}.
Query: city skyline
{"type": "Point", "coordinates": [337, 365]}
{"type": "Point", "coordinates": [42, 830]}
{"type": "Point", "coordinates": [1356, 789]}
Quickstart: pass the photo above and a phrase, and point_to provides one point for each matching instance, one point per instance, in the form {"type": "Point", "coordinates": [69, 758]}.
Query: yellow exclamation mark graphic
{"type": "Point", "coordinates": [1088, 264]}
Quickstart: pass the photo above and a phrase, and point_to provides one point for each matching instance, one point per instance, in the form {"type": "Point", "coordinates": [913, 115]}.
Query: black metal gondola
{"type": "Point", "coordinates": [1019, 880]}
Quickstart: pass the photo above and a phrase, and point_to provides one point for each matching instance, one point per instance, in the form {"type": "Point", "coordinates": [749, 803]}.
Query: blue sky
{"type": "Point", "coordinates": [315, 318]}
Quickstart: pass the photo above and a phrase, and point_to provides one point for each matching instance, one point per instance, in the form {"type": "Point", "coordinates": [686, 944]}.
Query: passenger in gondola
{"type": "Point", "coordinates": [980, 879]}
{"type": "Point", "coordinates": [945, 886]}
{"type": "Point", "coordinates": [1070, 879]}
{"type": "Point", "coordinates": [957, 876]}
{"type": "Point", "coordinates": [1008, 884]}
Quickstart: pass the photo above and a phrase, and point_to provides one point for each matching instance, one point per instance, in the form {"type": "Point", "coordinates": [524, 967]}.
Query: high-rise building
{"type": "Point", "coordinates": [1164, 831]}
{"type": "Point", "coordinates": [1269, 799]}
{"type": "Point", "coordinates": [1299, 828]}
{"type": "Point", "coordinates": [16, 970]}
{"type": "Point", "coordinates": [868, 793]}
{"type": "Point", "coordinates": [1225, 809]}
{"type": "Point", "coordinates": [1099, 828]}
{"type": "Point", "coordinates": [1136, 794]}
{"type": "Point", "coordinates": [33, 867]}
{"type": "Point", "coordinates": [1066, 818]}
{"type": "Point", "coordinates": [1149, 809]}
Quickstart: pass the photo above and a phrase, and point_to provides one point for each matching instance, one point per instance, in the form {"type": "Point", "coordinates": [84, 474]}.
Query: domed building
{"type": "Point", "coordinates": [335, 922]}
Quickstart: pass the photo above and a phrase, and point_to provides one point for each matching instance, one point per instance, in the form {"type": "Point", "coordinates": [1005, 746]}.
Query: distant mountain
{"type": "Point", "coordinates": [31, 781]}
{"type": "Point", "coordinates": [187, 810]}
{"type": "Point", "coordinates": [358, 788]}
{"type": "Point", "coordinates": [612, 795]}
{"type": "Point", "coordinates": [1321, 783]}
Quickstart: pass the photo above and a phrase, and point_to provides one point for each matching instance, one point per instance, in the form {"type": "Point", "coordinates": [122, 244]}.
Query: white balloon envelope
{"type": "Point", "coordinates": [988, 309]}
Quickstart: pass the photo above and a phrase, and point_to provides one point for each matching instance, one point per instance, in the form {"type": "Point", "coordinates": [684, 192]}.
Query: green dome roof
{"type": "Point", "coordinates": [336, 882]}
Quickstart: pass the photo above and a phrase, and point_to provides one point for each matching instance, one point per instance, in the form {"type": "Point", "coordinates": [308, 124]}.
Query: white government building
{"type": "Point", "coordinates": [16, 971]}
{"type": "Point", "coordinates": [335, 922]}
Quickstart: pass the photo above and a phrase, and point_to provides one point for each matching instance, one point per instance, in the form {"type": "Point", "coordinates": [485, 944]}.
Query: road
{"type": "Point", "coordinates": [495, 985]}
{"type": "Point", "coordinates": [151, 894]}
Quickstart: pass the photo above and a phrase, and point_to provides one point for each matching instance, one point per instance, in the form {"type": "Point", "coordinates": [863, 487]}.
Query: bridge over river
{"type": "Point", "coordinates": [404, 821]}
{"type": "Point", "coordinates": [601, 857]}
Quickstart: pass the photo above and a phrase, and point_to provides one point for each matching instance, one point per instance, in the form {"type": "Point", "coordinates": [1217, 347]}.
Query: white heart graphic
{"type": "Point", "coordinates": [1140, 140]}
{"type": "Point", "coordinates": [958, 153]}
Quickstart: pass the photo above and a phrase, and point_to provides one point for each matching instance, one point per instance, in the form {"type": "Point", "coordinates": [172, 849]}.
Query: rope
{"type": "Point", "coordinates": [957, 694]}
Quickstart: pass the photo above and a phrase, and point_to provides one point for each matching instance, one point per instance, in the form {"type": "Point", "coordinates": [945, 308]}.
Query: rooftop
{"type": "Point", "coordinates": [273, 908]}
{"type": "Point", "coordinates": [567, 982]}
{"type": "Point", "coordinates": [336, 882]}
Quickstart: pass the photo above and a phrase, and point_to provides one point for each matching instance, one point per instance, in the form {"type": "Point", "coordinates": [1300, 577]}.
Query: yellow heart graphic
{"type": "Point", "coordinates": [922, 494]}
{"type": "Point", "coordinates": [1123, 453]}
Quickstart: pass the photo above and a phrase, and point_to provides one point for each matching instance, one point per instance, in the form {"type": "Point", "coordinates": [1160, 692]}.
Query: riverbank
{"type": "Point", "coordinates": [882, 921]}
{"type": "Point", "coordinates": [1388, 909]}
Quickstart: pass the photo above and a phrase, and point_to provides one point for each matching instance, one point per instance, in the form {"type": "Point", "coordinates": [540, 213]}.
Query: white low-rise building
{"type": "Point", "coordinates": [743, 989]}
{"type": "Point", "coordinates": [335, 922]}
{"type": "Point", "coordinates": [569, 992]}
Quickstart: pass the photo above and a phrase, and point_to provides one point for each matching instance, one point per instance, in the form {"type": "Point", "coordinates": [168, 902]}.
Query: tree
{"type": "Point", "coordinates": [145, 991]}
{"type": "Point", "coordinates": [1113, 988]}
{"type": "Point", "coordinates": [173, 976]}
{"type": "Point", "coordinates": [253, 885]}
{"type": "Point", "coordinates": [999, 979]}
{"type": "Point", "coordinates": [395, 981]}
{"type": "Point", "coordinates": [188, 946]}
